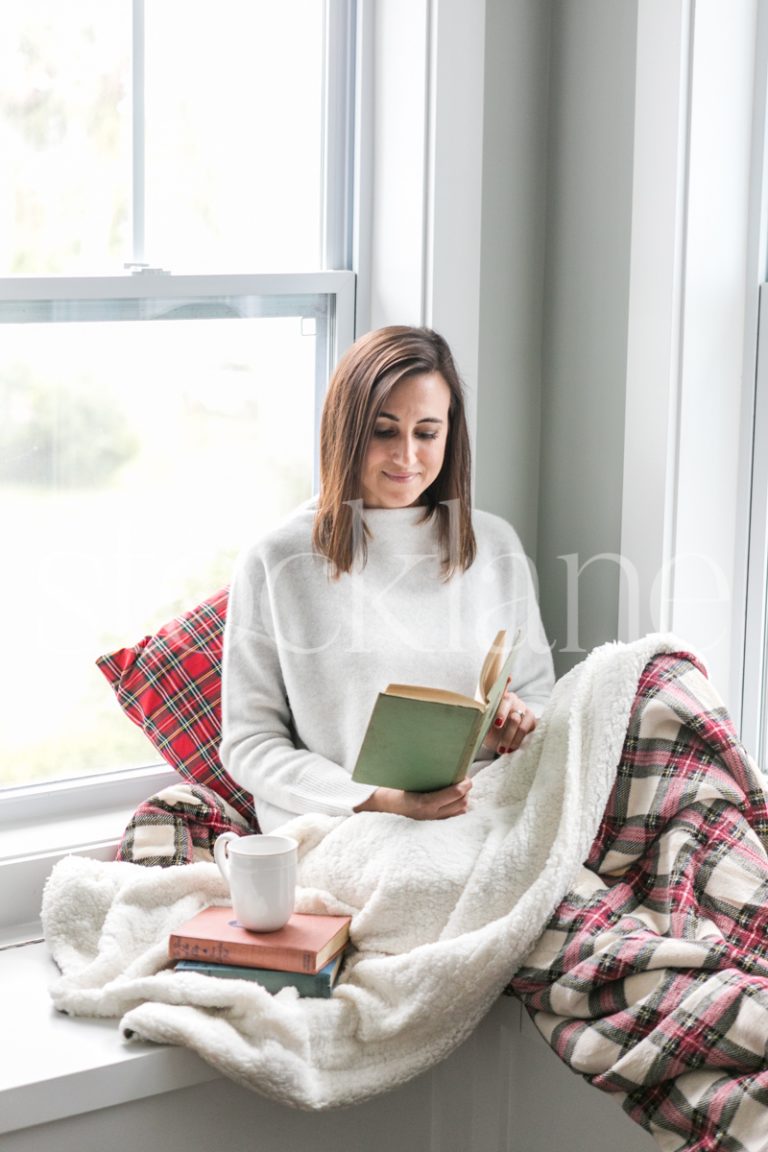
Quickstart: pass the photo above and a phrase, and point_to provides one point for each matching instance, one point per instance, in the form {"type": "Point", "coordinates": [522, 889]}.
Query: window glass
{"type": "Point", "coordinates": [136, 458]}
{"type": "Point", "coordinates": [149, 430]}
{"type": "Point", "coordinates": [200, 127]}
{"type": "Point", "coordinates": [65, 136]}
{"type": "Point", "coordinates": [233, 134]}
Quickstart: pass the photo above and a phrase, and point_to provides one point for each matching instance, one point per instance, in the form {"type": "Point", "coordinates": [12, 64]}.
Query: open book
{"type": "Point", "coordinates": [421, 739]}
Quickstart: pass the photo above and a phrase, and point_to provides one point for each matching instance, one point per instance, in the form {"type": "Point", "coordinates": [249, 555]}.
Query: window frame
{"type": "Point", "coordinates": [754, 720]}
{"type": "Point", "coordinates": [751, 629]}
{"type": "Point", "coordinates": [279, 292]}
{"type": "Point", "coordinates": [41, 823]}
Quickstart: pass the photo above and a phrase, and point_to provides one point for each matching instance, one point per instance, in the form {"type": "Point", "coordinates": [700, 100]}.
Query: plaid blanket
{"type": "Point", "coordinates": [178, 825]}
{"type": "Point", "coordinates": [651, 977]}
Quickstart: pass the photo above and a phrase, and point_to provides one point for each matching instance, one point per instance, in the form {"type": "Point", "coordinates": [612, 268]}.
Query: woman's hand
{"type": "Point", "coordinates": [512, 723]}
{"type": "Point", "coordinates": [451, 801]}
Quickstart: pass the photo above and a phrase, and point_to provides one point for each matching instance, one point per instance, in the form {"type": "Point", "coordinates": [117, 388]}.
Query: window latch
{"type": "Point", "coordinates": [144, 269]}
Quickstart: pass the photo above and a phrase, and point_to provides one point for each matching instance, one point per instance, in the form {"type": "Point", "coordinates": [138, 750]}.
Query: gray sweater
{"type": "Point", "coordinates": [305, 655]}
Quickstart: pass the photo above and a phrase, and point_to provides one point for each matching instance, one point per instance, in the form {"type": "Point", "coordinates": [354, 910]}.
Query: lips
{"type": "Point", "coordinates": [401, 477]}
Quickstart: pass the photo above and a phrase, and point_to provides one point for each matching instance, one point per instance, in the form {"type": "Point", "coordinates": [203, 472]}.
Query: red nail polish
{"type": "Point", "coordinates": [501, 751]}
{"type": "Point", "coordinates": [498, 722]}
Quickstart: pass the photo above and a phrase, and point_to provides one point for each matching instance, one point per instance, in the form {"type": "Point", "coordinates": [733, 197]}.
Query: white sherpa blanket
{"type": "Point", "coordinates": [443, 913]}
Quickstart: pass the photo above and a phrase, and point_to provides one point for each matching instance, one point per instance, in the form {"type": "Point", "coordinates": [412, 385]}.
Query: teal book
{"type": "Point", "coordinates": [421, 739]}
{"type": "Point", "coordinates": [318, 984]}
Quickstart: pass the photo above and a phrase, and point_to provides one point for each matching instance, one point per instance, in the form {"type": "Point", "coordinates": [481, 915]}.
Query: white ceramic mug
{"type": "Point", "coordinates": [261, 873]}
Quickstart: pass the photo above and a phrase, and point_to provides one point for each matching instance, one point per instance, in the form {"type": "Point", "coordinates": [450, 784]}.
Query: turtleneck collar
{"type": "Point", "coordinates": [400, 529]}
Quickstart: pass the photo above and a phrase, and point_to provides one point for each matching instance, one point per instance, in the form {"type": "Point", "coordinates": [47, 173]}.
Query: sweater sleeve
{"type": "Point", "coordinates": [259, 746]}
{"type": "Point", "coordinates": [533, 675]}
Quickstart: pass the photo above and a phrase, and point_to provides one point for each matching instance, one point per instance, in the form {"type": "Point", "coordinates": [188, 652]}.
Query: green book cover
{"type": "Point", "coordinates": [317, 984]}
{"type": "Point", "coordinates": [422, 739]}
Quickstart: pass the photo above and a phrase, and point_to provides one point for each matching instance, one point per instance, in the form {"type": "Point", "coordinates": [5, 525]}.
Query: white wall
{"type": "Point", "coordinates": [647, 301]}
{"type": "Point", "coordinates": [588, 230]}
{"type": "Point", "coordinates": [655, 304]}
{"type": "Point", "coordinates": [457, 216]}
{"type": "Point", "coordinates": [512, 261]}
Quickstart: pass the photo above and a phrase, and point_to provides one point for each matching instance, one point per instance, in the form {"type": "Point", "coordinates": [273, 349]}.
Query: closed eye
{"type": "Point", "coordinates": [388, 433]}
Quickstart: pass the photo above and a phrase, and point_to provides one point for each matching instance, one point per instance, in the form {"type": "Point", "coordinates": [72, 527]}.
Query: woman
{"type": "Point", "coordinates": [388, 576]}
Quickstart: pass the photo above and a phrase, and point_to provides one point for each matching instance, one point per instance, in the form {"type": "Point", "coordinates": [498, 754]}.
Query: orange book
{"type": "Point", "coordinates": [305, 944]}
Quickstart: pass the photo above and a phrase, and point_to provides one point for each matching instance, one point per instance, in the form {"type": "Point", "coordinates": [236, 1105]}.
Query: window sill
{"type": "Point", "coordinates": [38, 826]}
{"type": "Point", "coordinates": [58, 1066]}
{"type": "Point", "coordinates": [61, 1066]}
{"type": "Point", "coordinates": [502, 1087]}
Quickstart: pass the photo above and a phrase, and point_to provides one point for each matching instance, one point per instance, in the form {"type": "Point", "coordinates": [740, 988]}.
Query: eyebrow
{"type": "Point", "coordinates": [424, 419]}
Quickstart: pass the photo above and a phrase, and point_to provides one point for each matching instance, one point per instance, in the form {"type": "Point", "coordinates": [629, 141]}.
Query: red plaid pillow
{"type": "Point", "coordinates": [170, 685]}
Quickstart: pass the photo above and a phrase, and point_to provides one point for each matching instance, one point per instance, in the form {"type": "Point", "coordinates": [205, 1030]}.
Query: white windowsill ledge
{"type": "Point", "coordinates": [41, 824]}
{"type": "Point", "coordinates": [54, 1066]}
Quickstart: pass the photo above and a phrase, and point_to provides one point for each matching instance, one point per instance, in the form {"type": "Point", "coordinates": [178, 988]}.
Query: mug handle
{"type": "Point", "coordinates": [220, 854]}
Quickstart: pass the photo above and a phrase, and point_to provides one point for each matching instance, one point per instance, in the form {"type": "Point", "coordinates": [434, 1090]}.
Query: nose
{"type": "Point", "coordinates": [405, 451]}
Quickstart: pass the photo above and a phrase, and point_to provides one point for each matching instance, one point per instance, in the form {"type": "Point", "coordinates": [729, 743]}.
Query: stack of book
{"type": "Point", "coordinates": [306, 954]}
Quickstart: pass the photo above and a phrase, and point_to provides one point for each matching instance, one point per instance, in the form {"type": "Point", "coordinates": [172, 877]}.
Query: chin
{"type": "Point", "coordinates": [397, 500]}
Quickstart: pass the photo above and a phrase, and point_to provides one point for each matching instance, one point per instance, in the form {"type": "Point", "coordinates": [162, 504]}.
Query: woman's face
{"type": "Point", "coordinates": [407, 447]}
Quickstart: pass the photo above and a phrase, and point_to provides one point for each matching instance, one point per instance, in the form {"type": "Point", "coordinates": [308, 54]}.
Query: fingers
{"type": "Point", "coordinates": [517, 722]}
{"type": "Point", "coordinates": [440, 805]}
{"type": "Point", "coordinates": [508, 701]}
{"type": "Point", "coordinates": [519, 725]}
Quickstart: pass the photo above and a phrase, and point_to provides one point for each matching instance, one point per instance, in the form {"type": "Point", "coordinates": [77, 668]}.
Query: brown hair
{"type": "Point", "coordinates": [364, 378]}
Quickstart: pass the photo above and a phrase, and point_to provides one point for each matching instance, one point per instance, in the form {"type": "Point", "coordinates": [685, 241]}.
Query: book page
{"type": "Point", "coordinates": [494, 662]}
{"type": "Point", "coordinates": [492, 665]}
{"type": "Point", "coordinates": [435, 695]}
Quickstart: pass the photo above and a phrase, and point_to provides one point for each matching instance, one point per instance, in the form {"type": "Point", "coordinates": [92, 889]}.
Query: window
{"type": "Point", "coordinates": [755, 709]}
{"type": "Point", "coordinates": [189, 134]}
{"type": "Point", "coordinates": [173, 246]}
{"type": "Point", "coordinates": [752, 515]}
{"type": "Point", "coordinates": [146, 437]}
